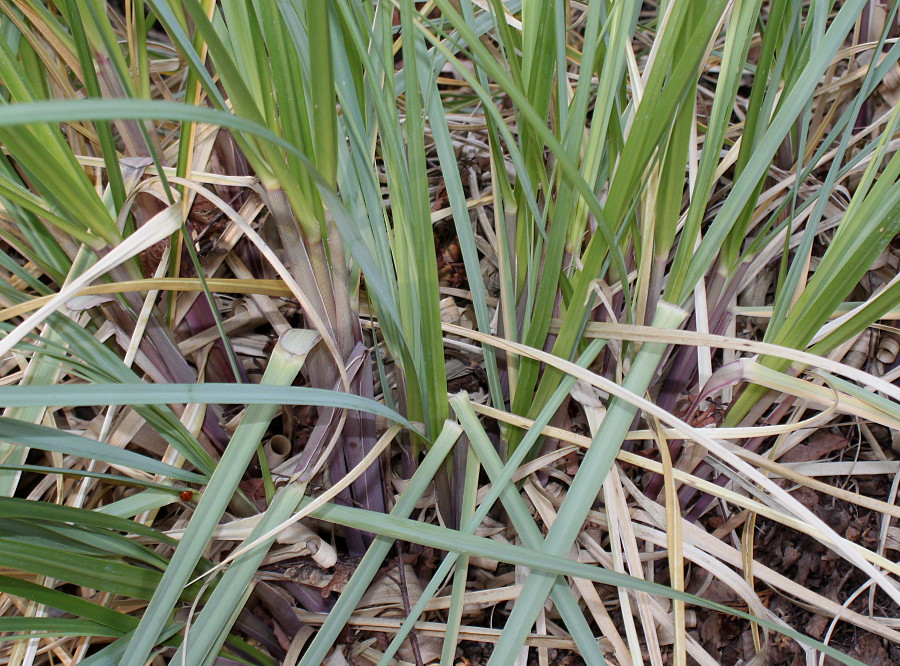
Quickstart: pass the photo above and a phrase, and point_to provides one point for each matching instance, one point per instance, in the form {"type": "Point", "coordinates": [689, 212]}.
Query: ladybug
{"type": "Point", "coordinates": [186, 495]}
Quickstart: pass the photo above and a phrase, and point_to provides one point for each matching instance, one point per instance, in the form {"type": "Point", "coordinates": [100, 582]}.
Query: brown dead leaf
{"type": "Point", "coordinates": [869, 650]}
{"type": "Point", "coordinates": [790, 556]}
{"type": "Point", "coordinates": [817, 625]}
{"type": "Point", "coordinates": [817, 447]}
{"type": "Point", "coordinates": [808, 563]}
{"type": "Point", "coordinates": [807, 497]}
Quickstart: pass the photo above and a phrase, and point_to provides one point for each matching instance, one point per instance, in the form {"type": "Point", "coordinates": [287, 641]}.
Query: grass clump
{"type": "Point", "coordinates": [357, 331]}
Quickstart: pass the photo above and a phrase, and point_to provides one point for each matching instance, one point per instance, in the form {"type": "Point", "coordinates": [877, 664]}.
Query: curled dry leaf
{"type": "Point", "coordinates": [385, 599]}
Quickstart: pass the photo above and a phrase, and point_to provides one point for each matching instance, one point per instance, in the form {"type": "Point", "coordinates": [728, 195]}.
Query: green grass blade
{"type": "Point", "coordinates": [98, 573]}
{"type": "Point", "coordinates": [502, 488]}
{"type": "Point", "coordinates": [48, 627]}
{"type": "Point", "coordinates": [68, 603]}
{"type": "Point", "coordinates": [209, 630]}
{"type": "Point", "coordinates": [43, 511]}
{"type": "Point", "coordinates": [374, 557]}
{"type": "Point", "coordinates": [287, 359]}
{"type": "Point", "coordinates": [690, 270]}
{"type": "Point", "coordinates": [538, 561]}
{"type": "Point", "coordinates": [584, 489]}
{"type": "Point", "coordinates": [173, 394]}
{"type": "Point", "coordinates": [33, 436]}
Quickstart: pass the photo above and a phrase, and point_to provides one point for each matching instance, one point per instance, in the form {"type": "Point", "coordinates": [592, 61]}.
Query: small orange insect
{"type": "Point", "coordinates": [186, 495]}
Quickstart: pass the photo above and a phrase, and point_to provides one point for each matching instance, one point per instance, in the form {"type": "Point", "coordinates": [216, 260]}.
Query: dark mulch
{"type": "Point", "coordinates": [809, 563]}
